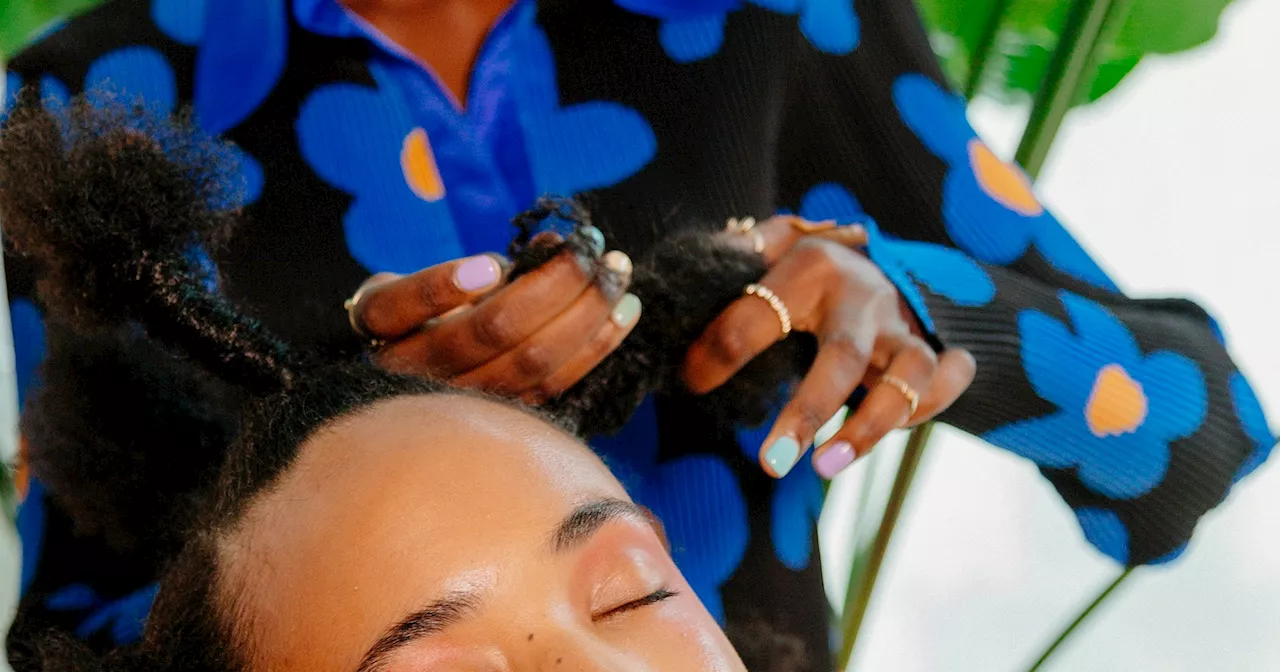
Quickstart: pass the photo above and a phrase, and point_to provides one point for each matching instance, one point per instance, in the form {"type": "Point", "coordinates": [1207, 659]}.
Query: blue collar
{"type": "Point", "coordinates": [325, 17]}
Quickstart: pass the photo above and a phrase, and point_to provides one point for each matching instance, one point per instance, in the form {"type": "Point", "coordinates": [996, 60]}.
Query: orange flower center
{"type": "Point", "coordinates": [1005, 183]}
{"type": "Point", "coordinates": [1117, 404]}
{"type": "Point", "coordinates": [419, 165]}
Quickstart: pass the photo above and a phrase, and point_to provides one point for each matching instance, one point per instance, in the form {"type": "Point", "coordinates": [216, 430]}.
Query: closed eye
{"type": "Point", "coordinates": [652, 598]}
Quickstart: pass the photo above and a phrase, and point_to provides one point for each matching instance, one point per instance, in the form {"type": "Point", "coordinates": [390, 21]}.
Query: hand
{"type": "Point", "coordinates": [532, 338]}
{"type": "Point", "coordinates": [864, 331]}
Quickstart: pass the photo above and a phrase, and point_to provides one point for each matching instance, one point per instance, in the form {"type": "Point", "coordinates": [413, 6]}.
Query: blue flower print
{"type": "Point", "coordinates": [944, 271]}
{"type": "Point", "coordinates": [988, 207]}
{"type": "Point", "coordinates": [52, 91]}
{"type": "Point", "coordinates": [1171, 555]}
{"type": "Point", "coordinates": [697, 498]}
{"type": "Point", "coordinates": [796, 503]}
{"type": "Point", "coordinates": [135, 72]}
{"type": "Point", "coordinates": [1105, 531]}
{"type": "Point", "coordinates": [831, 26]}
{"type": "Point", "coordinates": [399, 221]}
{"type": "Point", "coordinates": [692, 39]}
{"type": "Point", "coordinates": [1118, 409]}
{"type": "Point", "coordinates": [677, 9]}
{"type": "Point", "coordinates": [1254, 423]}
{"type": "Point", "coordinates": [144, 72]}
{"type": "Point", "coordinates": [12, 84]}
{"type": "Point", "coordinates": [27, 327]}
{"type": "Point", "coordinates": [181, 20]}
{"type": "Point", "coordinates": [125, 616]}
{"type": "Point", "coordinates": [243, 50]}
{"type": "Point", "coordinates": [30, 524]}
{"type": "Point", "coordinates": [578, 147]}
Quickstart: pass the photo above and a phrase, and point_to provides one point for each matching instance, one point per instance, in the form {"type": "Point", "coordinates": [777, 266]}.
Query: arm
{"type": "Point", "coordinates": [1132, 408]}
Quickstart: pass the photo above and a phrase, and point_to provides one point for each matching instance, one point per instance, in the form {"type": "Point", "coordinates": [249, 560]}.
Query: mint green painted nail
{"type": "Point", "coordinates": [627, 311]}
{"type": "Point", "coordinates": [781, 455]}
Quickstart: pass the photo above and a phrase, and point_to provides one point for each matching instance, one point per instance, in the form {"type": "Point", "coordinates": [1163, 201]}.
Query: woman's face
{"type": "Point", "coordinates": [451, 533]}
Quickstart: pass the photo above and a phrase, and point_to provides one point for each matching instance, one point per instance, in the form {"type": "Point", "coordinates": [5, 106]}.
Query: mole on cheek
{"type": "Point", "coordinates": [531, 636]}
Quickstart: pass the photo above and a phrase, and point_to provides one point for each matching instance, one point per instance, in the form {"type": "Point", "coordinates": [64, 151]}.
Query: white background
{"type": "Point", "coordinates": [1172, 181]}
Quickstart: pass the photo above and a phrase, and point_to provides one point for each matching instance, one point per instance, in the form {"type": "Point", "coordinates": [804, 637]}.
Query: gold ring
{"type": "Point", "coordinates": [907, 391]}
{"type": "Point", "coordinates": [735, 225]}
{"type": "Point", "coordinates": [746, 227]}
{"type": "Point", "coordinates": [784, 315]}
{"type": "Point", "coordinates": [350, 306]}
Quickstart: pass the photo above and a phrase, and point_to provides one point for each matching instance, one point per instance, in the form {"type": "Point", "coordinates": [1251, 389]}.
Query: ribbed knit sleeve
{"type": "Point", "coordinates": [1132, 408]}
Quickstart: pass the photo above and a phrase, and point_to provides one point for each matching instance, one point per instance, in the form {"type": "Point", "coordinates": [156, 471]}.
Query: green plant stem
{"type": "Point", "coordinates": [856, 608]}
{"type": "Point", "coordinates": [1063, 79]}
{"type": "Point", "coordinates": [858, 545]}
{"type": "Point", "coordinates": [982, 49]}
{"type": "Point", "coordinates": [1084, 615]}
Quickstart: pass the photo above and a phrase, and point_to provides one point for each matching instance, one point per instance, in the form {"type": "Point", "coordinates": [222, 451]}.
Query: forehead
{"type": "Point", "coordinates": [414, 498]}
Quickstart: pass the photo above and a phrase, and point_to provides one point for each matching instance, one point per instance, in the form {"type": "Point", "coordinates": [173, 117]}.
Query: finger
{"type": "Point", "coordinates": [394, 307]}
{"type": "Point", "coordinates": [852, 235]}
{"type": "Point", "coordinates": [528, 364]}
{"type": "Point", "coordinates": [884, 409]}
{"type": "Point", "coordinates": [508, 317]}
{"type": "Point", "coordinates": [778, 235]}
{"type": "Point", "coordinates": [623, 318]}
{"type": "Point", "coordinates": [956, 370]}
{"type": "Point", "coordinates": [744, 330]}
{"type": "Point", "coordinates": [804, 281]}
{"type": "Point", "coordinates": [836, 372]}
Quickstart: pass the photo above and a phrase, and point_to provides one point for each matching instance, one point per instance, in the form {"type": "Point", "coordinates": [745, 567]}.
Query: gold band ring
{"type": "Point", "coordinates": [746, 227]}
{"type": "Point", "coordinates": [907, 391]}
{"type": "Point", "coordinates": [350, 306]}
{"type": "Point", "coordinates": [784, 315]}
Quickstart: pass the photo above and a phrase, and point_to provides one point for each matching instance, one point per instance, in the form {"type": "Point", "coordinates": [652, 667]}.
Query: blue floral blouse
{"type": "Point", "coordinates": [664, 114]}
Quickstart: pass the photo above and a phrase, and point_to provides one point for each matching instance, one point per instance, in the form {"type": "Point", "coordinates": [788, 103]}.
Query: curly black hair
{"type": "Point", "coordinates": [684, 282]}
{"type": "Point", "coordinates": [114, 203]}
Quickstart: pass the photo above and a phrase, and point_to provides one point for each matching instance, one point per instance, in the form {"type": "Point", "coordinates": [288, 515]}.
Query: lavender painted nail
{"type": "Point", "coordinates": [477, 273]}
{"type": "Point", "coordinates": [834, 459]}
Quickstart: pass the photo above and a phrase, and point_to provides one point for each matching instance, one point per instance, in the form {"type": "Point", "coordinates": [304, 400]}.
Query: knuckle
{"type": "Point", "coordinates": [809, 419]}
{"type": "Point", "coordinates": [429, 294]}
{"type": "Point", "coordinates": [533, 362]}
{"type": "Point", "coordinates": [847, 349]}
{"type": "Point", "coordinates": [372, 315]}
{"type": "Point", "coordinates": [730, 345]}
{"type": "Point", "coordinates": [546, 390]}
{"type": "Point", "coordinates": [495, 331]}
{"type": "Point", "coordinates": [924, 355]}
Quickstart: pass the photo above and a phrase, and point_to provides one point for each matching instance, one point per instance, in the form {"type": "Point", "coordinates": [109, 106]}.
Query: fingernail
{"type": "Point", "coordinates": [781, 455]}
{"type": "Point", "coordinates": [834, 459]}
{"type": "Point", "coordinates": [594, 237]}
{"type": "Point", "coordinates": [477, 273]}
{"type": "Point", "coordinates": [627, 311]}
{"type": "Point", "coordinates": [618, 262]}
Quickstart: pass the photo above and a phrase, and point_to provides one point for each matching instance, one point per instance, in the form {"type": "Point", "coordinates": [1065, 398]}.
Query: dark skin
{"type": "Point", "coordinates": [536, 337]}
{"type": "Point", "coordinates": [445, 34]}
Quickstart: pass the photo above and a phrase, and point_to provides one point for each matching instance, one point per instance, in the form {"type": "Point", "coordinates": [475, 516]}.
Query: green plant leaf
{"type": "Point", "coordinates": [23, 20]}
{"type": "Point", "coordinates": [1028, 31]}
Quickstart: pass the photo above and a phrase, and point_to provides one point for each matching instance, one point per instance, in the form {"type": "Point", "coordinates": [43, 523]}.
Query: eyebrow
{"type": "Point", "coordinates": [422, 623]}
{"type": "Point", "coordinates": [587, 519]}
{"type": "Point", "coordinates": [571, 533]}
